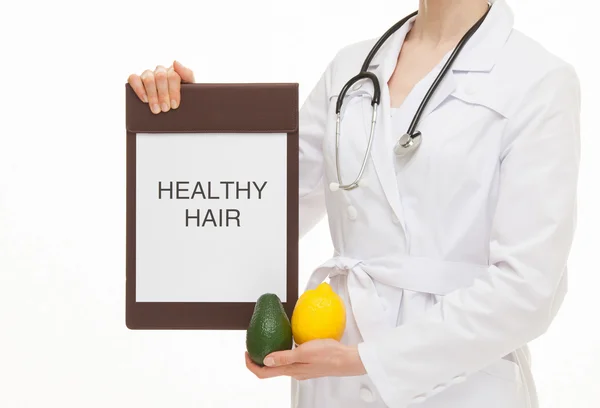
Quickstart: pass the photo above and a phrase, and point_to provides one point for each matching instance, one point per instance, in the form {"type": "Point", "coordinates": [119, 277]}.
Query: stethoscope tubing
{"type": "Point", "coordinates": [438, 79]}
{"type": "Point", "coordinates": [410, 140]}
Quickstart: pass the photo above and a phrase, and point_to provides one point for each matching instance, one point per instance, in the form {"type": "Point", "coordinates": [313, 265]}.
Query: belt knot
{"type": "Point", "coordinates": [337, 265]}
{"type": "Point", "coordinates": [342, 264]}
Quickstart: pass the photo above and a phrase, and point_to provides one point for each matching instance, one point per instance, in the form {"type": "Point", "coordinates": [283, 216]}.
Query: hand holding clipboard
{"type": "Point", "coordinates": [161, 88]}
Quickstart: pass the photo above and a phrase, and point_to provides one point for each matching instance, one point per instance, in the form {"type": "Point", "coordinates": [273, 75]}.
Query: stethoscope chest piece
{"type": "Point", "coordinates": [407, 144]}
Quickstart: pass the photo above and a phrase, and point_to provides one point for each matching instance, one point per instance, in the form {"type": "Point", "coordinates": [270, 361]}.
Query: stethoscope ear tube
{"type": "Point", "coordinates": [352, 81]}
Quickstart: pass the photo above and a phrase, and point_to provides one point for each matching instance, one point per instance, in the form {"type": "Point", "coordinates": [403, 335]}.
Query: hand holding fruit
{"type": "Point", "coordinates": [313, 359]}
{"type": "Point", "coordinates": [318, 323]}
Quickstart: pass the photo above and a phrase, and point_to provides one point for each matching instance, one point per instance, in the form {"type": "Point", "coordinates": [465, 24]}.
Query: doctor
{"type": "Point", "coordinates": [451, 252]}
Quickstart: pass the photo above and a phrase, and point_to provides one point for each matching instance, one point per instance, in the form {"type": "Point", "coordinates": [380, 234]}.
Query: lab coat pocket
{"type": "Point", "coordinates": [506, 385]}
{"type": "Point", "coordinates": [497, 386]}
{"type": "Point", "coordinates": [504, 369]}
{"type": "Point", "coordinates": [477, 90]}
{"type": "Point", "coordinates": [502, 383]}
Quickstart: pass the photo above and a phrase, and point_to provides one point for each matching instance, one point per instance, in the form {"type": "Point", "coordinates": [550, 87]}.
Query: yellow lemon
{"type": "Point", "coordinates": [318, 314]}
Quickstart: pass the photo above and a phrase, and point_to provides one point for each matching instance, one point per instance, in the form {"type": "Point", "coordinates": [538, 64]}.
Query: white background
{"type": "Point", "coordinates": [63, 341]}
{"type": "Point", "coordinates": [179, 263]}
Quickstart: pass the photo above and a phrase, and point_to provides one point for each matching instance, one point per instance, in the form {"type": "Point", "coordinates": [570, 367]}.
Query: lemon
{"type": "Point", "coordinates": [318, 314]}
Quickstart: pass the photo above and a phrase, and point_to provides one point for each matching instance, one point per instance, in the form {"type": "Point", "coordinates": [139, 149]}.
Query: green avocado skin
{"type": "Point", "coordinates": [269, 329]}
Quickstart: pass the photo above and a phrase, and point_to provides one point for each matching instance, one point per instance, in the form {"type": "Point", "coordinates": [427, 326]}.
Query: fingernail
{"type": "Point", "coordinates": [145, 99]}
{"type": "Point", "coordinates": [164, 107]}
{"type": "Point", "coordinates": [155, 108]}
{"type": "Point", "coordinates": [269, 361]}
{"type": "Point", "coordinates": [174, 104]}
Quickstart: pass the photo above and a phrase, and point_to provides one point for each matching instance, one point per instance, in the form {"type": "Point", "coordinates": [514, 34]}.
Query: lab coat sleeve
{"type": "Point", "coordinates": [312, 124]}
{"type": "Point", "coordinates": [532, 231]}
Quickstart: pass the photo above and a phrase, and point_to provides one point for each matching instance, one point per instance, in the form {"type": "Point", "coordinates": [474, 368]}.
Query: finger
{"type": "Point", "coordinates": [258, 371]}
{"type": "Point", "coordinates": [252, 366]}
{"type": "Point", "coordinates": [150, 87]}
{"type": "Point", "coordinates": [162, 86]}
{"type": "Point", "coordinates": [270, 372]}
{"type": "Point", "coordinates": [186, 74]}
{"type": "Point", "coordinates": [282, 358]}
{"type": "Point", "coordinates": [174, 81]}
{"type": "Point", "coordinates": [138, 87]}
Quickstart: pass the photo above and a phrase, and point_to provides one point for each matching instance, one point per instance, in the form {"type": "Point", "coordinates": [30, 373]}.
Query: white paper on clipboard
{"type": "Point", "coordinates": [210, 216]}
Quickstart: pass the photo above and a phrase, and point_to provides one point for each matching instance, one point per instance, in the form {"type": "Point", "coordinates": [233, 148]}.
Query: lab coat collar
{"type": "Point", "coordinates": [482, 49]}
{"type": "Point", "coordinates": [479, 54]}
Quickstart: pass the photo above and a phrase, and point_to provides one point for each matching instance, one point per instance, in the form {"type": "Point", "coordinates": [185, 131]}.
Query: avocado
{"type": "Point", "coordinates": [269, 330]}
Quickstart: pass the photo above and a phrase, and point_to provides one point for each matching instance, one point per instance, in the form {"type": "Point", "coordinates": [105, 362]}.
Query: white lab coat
{"type": "Point", "coordinates": [449, 261]}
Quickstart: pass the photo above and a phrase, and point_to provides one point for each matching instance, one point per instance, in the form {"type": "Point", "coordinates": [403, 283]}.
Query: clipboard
{"type": "Point", "coordinates": [203, 240]}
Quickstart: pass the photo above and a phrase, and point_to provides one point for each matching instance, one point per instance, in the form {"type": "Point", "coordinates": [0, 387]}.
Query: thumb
{"type": "Point", "coordinates": [280, 358]}
{"type": "Point", "coordinates": [185, 73]}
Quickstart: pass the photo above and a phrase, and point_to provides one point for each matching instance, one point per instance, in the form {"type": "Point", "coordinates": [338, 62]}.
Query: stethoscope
{"type": "Point", "coordinates": [411, 140]}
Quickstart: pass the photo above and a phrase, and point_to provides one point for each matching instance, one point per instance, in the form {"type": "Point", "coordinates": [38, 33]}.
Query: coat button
{"type": "Point", "coordinates": [366, 394]}
{"type": "Point", "coordinates": [458, 379]}
{"type": "Point", "coordinates": [419, 398]}
{"type": "Point", "coordinates": [352, 213]}
{"type": "Point", "coordinates": [357, 86]}
{"type": "Point", "coordinates": [395, 219]}
{"type": "Point", "coordinates": [439, 388]}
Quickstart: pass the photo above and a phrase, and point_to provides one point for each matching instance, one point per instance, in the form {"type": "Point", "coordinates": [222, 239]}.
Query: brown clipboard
{"type": "Point", "coordinates": [214, 108]}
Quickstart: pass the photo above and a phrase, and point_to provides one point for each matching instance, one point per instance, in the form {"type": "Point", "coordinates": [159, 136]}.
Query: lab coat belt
{"type": "Point", "coordinates": [417, 274]}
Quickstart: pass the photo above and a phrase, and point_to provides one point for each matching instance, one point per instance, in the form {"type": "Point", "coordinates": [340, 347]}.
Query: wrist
{"type": "Point", "coordinates": [352, 362]}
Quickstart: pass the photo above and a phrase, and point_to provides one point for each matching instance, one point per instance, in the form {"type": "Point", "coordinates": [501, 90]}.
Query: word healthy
{"type": "Point", "coordinates": [228, 190]}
